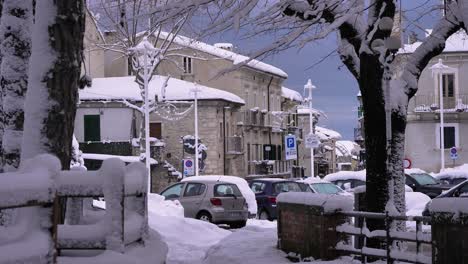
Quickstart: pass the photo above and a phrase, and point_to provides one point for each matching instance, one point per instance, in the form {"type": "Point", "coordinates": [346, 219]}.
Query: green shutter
{"type": "Point", "coordinates": [92, 128]}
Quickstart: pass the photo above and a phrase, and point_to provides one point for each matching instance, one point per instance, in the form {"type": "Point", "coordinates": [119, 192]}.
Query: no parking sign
{"type": "Point", "coordinates": [453, 153]}
{"type": "Point", "coordinates": [189, 168]}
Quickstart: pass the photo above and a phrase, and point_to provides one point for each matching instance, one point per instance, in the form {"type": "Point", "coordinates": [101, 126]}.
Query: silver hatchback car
{"type": "Point", "coordinates": [217, 202]}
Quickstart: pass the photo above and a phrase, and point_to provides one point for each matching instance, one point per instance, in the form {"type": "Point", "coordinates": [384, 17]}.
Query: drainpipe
{"type": "Point", "coordinates": [224, 140]}
{"type": "Point", "coordinates": [268, 101]}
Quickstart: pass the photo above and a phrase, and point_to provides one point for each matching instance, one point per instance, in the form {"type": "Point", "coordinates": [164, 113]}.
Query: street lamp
{"type": "Point", "coordinates": [438, 71]}
{"type": "Point", "coordinates": [195, 90]}
{"type": "Point", "coordinates": [309, 86]}
{"type": "Point", "coordinates": [141, 53]}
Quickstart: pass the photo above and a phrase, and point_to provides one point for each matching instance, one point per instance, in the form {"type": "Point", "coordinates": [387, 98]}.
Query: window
{"type": "Point", "coordinates": [286, 187]}
{"type": "Point", "coordinates": [424, 179]}
{"type": "Point", "coordinates": [448, 85]}
{"type": "Point", "coordinates": [92, 128]}
{"type": "Point", "coordinates": [451, 136]}
{"type": "Point", "coordinates": [258, 187]}
{"type": "Point", "coordinates": [188, 65]}
{"type": "Point", "coordinates": [156, 130]}
{"type": "Point", "coordinates": [173, 191]}
{"type": "Point", "coordinates": [194, 189]}
{"type": "Point", "coordinates": [326, 188]}
{"type": "Point", "coordinates": [226, 190]}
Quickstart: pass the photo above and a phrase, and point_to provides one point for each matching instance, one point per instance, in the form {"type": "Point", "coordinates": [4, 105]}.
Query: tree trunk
{"type": "Point", "coordinates": [53, 82]}
{"type": "Point", "coordinates": [16, 50]}
{"type": "Point", "coordinates": [371, 86]}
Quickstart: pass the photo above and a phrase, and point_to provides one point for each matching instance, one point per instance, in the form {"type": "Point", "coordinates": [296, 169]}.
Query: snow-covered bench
{"type": "Point", "coordinates": [124, 189]}
{"type": "Point", "coordinates": [29, 238]}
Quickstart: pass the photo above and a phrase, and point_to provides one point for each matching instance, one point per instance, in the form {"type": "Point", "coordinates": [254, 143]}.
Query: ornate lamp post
{"type": "Point", "coordinates": [309, 86]}
{"type": "Point", "coordinates": [438, 71]}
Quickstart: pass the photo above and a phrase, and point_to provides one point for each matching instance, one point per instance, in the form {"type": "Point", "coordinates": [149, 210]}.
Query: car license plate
{"type": "Point", "coordinates": [234, 214]}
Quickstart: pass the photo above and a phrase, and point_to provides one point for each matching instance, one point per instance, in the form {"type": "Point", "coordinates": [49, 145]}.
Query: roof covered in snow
{"type": "Point", "coordinates": [125, 88]}
{"type": "Point", "coordinates": [302, 110]}
{"type": "Point", "coordinates": [291, 94]}
{"type": "Point", "coordinates": [346, 148]}
{"type": "Point", "coordinates": [458, 42]}
{"type": "Point", "coordinates": [326, 134]}
{"type": "Point", "coordinates": [226, 54]}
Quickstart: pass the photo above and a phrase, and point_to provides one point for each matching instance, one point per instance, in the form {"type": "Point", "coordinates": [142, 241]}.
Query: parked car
{"type": "Point", "coordinates": [267, 189]}
{"type": "Point", "coordinates": [217, 202]}
{"type": "Point", "coordinates": [458, 191]}
{"type": "Point", "coordinates": [317, 185]}
{"type": "Point", "coordinates": [347, 180]}
{"type": "Point", "coordinates": [453, 176]}
{"type": "Point", "coordinates": [425, 183]}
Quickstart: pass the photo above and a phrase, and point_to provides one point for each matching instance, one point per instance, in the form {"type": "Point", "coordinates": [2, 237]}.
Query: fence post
{"type": "Point", "coordinates": [113, 171]}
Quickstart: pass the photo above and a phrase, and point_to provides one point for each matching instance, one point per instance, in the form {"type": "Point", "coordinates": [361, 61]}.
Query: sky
{"type": "Point", "coordinates": [336, 88]}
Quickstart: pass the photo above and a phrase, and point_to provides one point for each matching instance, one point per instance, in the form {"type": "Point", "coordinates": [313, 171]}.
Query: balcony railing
{"type": "Point", "coordinates": [278, 121]}
{"type": "Point", "coordinates": [430, 103]}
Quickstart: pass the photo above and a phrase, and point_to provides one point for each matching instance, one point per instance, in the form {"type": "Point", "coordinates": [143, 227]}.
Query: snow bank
{"type": "Point", "coordinates": [346, 175]}
{"type": "Point", "coordinates": [415, 203]}
{"type": "Point", "coordinates": [161, 207]}
{"type": "Point", "coordinates": [454, 173]}
{"type": "Point", "coordinates": [330, 203]}
{"type": "Point", "coordinates": [125, 88]}
{"type": "Point", "coordinates": [188, 239]}
{"type": "Point", "coordinates": [241, 184]}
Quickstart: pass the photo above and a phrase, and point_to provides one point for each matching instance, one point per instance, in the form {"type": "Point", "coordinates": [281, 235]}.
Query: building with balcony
{"type": "Point", "coordinates": [255, 134]}
{"type": "Point", "coordinates": [423, 141]}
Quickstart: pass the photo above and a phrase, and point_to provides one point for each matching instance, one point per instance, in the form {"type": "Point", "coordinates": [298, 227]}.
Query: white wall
{"type": "Point", "coordinates": [116, 123]}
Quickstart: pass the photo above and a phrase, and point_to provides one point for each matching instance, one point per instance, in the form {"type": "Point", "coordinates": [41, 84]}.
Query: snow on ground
{"type": "Point", "coordinates": [188, 239]}
{"type": "Point", "coordinates": [253, 245]}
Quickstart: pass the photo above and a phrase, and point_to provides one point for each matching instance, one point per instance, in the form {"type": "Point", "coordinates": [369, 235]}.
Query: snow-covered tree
{"type": "Point", "coordinates": [367, 47]}
{"type": "Point", "coordinates": [15, 48]}
{"type": "Point", "coordinates": [54, 73]}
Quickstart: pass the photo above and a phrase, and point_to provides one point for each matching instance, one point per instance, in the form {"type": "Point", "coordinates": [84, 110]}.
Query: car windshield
{"type": "Point", "coordinates": [286, 187]}
{"type": "Point", "coordinates": [326, 188]}
{"type": "Point", "coordinates": [424, 179]}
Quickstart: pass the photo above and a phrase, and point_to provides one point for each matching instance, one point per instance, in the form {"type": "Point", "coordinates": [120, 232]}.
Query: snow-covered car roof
{"type": "Point", "coordinates": [311, 180]}
{"type": "Point", "coordinates": [346, 175]}
{"type": "Point", "coordinates": [454, 173]}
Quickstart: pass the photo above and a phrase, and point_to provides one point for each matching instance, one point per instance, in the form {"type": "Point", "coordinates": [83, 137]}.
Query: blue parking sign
{"type": "Point", "coordinates": [291, 151]}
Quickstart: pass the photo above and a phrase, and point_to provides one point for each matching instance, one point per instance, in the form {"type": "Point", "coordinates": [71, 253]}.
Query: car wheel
{"type": "Point", "coordinates": [204, 216]}
{"type": "Point", "coordinates": [238, 224]}
{"type": "Point", "coordinates": [263, 215]}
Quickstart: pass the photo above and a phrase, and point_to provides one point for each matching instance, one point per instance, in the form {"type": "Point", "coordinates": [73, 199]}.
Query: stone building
{"type": "Point", "coordinates": [105, 124]}
{"type": "Point", "coordinates": [423, 140]}
{"type": "Point", "coordinates": [255, 134]}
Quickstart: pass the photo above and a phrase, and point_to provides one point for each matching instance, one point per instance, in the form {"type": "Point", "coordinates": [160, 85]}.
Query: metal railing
{"type": "Point", "coordinates": [430, 102]}
{"type": "Point", "coordinates": [389, 236]}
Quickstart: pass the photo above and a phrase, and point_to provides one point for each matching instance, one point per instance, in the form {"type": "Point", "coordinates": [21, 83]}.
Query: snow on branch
{"type": "Point", "coordinates": [432, 46]}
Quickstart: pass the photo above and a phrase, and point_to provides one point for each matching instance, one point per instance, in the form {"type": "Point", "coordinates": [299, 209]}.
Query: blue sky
{"type": "Point", "coordinates": [336, 88]}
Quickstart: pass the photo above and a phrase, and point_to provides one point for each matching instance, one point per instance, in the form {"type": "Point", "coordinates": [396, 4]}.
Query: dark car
{"type": "Point", "coordinates": [453, 180]}
{"type": "Point", "coordinates": [459, 191]}
{"type": "Point", "coordinates": [266, 191]}
{"type": "Point", "coordinates": [425, 183]}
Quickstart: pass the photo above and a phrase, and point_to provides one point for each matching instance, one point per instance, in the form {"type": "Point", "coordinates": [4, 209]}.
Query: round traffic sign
{"type": "Point", "coordinates": [407, 163]}
{"type": "Point", "coordinates": [188, 163]}
{"type": "Point", "coordinates": [453, 150]}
